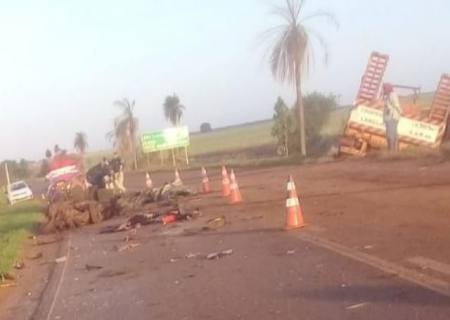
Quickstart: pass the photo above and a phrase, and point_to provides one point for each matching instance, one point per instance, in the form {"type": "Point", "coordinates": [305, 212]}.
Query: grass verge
{"type": "Point", "coordinates": [16, 224]}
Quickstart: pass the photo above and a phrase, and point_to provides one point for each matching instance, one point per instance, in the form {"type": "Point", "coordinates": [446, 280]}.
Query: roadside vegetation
{"type": "Point", "coordinates": [292, 52]}
{"type": "Point", "coordinates": [124, 133]}
{"type": "Point", "coordinates": [16, 224]}
{"type": "Point", "coordinates": [318, 109]}
{"type": "Point", "coordinates": [246, 139]}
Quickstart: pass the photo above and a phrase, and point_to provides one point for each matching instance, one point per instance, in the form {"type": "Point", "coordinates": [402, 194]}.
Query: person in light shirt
{"type": "Point", "coordinates": [391, 115]}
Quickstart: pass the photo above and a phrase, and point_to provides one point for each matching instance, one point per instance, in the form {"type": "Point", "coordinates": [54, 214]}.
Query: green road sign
{"type": "Point", "coordinates": [165, 139]}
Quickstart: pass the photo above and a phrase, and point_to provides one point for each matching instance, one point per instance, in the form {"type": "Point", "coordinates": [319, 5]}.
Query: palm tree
{"type": "Point", "coordinates": [125, 129]}
{"type": "Point", "coordinates": [80, 142]}
{"type": "Point", "coordinates": [173, 110]}
{"type": "Point", "coordinates": [292, 50]}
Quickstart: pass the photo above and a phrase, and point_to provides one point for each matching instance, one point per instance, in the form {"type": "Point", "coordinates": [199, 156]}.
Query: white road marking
{"type": "Point", "coordinates": [427, 263]}
{"type": "Point", "coordinates": [356, 306]}
{"type": "Point", "coordinates": [60, 281]}
{"type": "Point", "coordinates": [423, 280]}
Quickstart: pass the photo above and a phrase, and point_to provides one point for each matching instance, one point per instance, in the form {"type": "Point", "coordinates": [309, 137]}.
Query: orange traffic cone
{"type": "Point", "coordinates": [225, 182]}
{"type": "Point", "coordinates": [294, 216]}
{"type": "Point", "coordinates": [291, 187]}
{"type": "Point", "coordinates": [205, 181]}
{"type": "Point", "coordinates": [148, 181]}
{"type": "Point", "coordinates": [177, 180]}
{"type": "Point", "coordinates": [235, 195]}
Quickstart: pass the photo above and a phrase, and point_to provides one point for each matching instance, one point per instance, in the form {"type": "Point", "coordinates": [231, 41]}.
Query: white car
{"type": "Point", "coordinates": [19, 191]}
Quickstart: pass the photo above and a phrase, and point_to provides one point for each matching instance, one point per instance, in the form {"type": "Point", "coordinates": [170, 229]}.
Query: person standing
{"type": "Point", "coordinates": [117, 168]}
{"type": "Point", "coordinates": [391, 115]}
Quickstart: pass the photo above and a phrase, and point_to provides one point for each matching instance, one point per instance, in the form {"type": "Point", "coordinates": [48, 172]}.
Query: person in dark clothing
{"type": "Point", "coordinates": [56, 150]}
{"type": "Point", "coordinates": [116, 163]}
{"type": "Point", "coordinates": [96, 175]}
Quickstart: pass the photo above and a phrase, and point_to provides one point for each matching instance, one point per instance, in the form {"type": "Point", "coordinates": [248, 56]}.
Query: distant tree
{"type": "Point", "coordinates": [318, 107]}
{"type": "Point", "coordinates": [292, 51]}
{"type": "Point", "coordinates": [283, 126]}
{"type": "Point", "coordinates": [125, 129]}
{"type": "Point", "coordinates": [173, 110]}
{"type": "Point", "coordinates": [205, 127]}
{"type": "Point", "coordinates": [80, 142]}
{"type": "Point", "coordinates": [48, 154]}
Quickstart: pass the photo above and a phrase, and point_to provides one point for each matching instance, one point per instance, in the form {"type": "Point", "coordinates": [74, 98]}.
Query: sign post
{"type": "Point", "coordinates": [167, 139]}
{"type": "Point", "coordinates": [186, 155]}
{"type": "Point", "coordinates": [8, 182]}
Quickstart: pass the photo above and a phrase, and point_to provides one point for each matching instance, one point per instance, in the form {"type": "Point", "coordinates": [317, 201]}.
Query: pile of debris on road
{"type": "Point", "coordinates": [158, 205]}
{"type": "Point", "coordinates": [164, 217]}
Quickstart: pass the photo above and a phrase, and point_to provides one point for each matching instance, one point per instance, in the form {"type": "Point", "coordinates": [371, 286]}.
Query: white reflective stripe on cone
{"type": "Point", "coordinates": [291, 186]}
{"type": "Point", "coordinates": [292, 202]}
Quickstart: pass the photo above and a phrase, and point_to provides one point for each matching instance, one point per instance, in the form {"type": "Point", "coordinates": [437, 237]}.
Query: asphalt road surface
{"type": "Point", "coordinates": [269, 275]}
{"type": "Point", "coordinates": [370, 208]}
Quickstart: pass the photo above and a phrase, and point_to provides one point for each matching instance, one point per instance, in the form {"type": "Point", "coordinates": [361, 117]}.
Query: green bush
{"type": "Point", "coordinates": [317, 107]}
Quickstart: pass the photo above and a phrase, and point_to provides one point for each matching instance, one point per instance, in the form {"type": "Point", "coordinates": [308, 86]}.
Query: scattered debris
{"type": "Point", "coordinates": [19, 265]}
{"type": "Point", "coordinates": [112, 273]}
{"type": "Point", "coordinates": [357, 306]}
{"type": "Point", "coordinates": [290, 252]}
{"type": "Point", "coordinates": [132, 223]}
{"type": "Point", "coordinates": [71, 214]}
{"type": "Point", "coordinates": [36, 256]}
{"type": "Point", "coordinates": [129, 238]}
{"type": "Point", "coordinates": [227, 252]}
{"type": "Point", "coordinates": [251, 218]}
{"type": "Point", "coordinates": [8, 284]}
{"type": "Point", "coordinates": [218, 255]}
{"type": "Point", "coordinates": [368, 247]}
{"type": "Point", "coordinates": [215, 223]}
{"type": "Point", "coordinates": [167, 219]}
{"type": "Point", "coordinates": [128, 246]}
{"type": "Point", "coordinates": [176, 213]}
{"type": "Point", "coordinates": [191, 255]}
{"type": "Point", "coordinates": [6, 276]}
{"type": "Point", "coordinates": [92, 267]}
{"type": "Point", "coordinates": [61, 259]}
{"type": "Point", "coordinates": [43, 242]}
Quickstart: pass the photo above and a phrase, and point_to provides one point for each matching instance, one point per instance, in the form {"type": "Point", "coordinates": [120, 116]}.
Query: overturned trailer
{"type": "Point", "coordinates": [65, 178]}
{"type": "Point", "coordinates": [365, 128]}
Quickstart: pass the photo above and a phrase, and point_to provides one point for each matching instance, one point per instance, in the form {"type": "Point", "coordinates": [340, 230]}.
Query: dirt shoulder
{"type": "Point", "coordinates": [22, 300]}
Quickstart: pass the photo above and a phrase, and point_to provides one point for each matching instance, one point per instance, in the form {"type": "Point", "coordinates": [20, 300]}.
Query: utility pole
{"type": "Point", "coordinates": [7, 179]}
{"type": "Point", "coordinates": [7, 174]}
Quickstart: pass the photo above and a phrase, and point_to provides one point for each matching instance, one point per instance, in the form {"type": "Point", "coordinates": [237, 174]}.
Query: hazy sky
{"type": "Point", "coordinates": [63, 63]}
